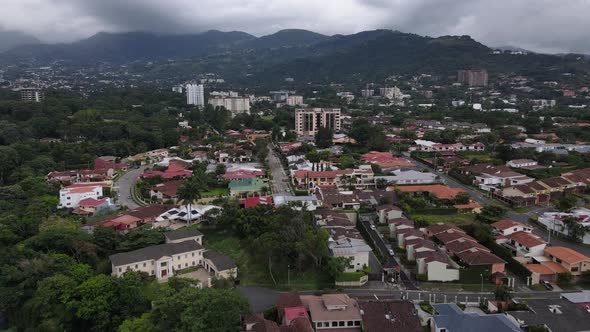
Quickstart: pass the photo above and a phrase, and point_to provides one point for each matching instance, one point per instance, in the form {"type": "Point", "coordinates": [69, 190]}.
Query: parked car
{"type": "Point", "coordinates": [391, 253]}
{"type": "Point", "coordinates": [546, 284]}
{"type": "Point", "coordinates": [373, 227]}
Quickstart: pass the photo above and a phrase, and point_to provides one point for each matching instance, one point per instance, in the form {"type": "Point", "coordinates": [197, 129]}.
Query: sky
{"type": "Point", "coordinates": [549, 26]}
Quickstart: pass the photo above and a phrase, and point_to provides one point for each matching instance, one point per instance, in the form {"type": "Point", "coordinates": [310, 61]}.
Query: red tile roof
{"type": "Point", "coordinates": [527, 239]}
{"type": "Point", "coordinates": [507, 223]}
{"type": "Point", "coordinates": [90, 202]}
{"type": "Point", "coordinates": [567, 255]}
{"type": "Point", "coordinates": [438, 190]}
{"type": "Point", "coordinates": [479, 257]}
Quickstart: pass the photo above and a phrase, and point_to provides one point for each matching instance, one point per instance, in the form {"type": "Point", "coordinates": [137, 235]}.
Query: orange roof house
{"type": "Point", "coordinates": [437, 190]}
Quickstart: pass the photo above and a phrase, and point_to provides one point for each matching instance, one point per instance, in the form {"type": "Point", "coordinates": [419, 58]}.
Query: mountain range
{"type": "Point", "coordinates": [301, 54]}
{"type": "Point", "coordinates": [12, 39]}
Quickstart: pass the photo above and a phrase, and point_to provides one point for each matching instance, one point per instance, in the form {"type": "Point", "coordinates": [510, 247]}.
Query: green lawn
{"type": "Point", "coordinates": [254, 272]}
{"type": "Point", "coordinates": [215, 192]}
{"type": "Point", "coordinates": [267, 117]}
{"type": "Point", "coordinates": [480, 157]}
{"type": "Point", "coordinates": [457, 219]}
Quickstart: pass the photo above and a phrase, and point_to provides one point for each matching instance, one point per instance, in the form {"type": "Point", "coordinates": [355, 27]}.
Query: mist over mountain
{"type": "Point", "coordinates": [11, 39]}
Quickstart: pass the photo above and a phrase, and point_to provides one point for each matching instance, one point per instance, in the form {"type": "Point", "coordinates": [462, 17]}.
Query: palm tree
{"type": "Point", "coordinates": [189, 193]}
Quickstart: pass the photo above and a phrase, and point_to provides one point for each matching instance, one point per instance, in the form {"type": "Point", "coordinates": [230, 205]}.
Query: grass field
{"type": "Point", "coordinates": [456, 219]}
{"type": "Point", "coordinates": [480, 157]}
{"type": "Point", "coordinates": [255, 272]}
{"type": "Point", "coordinates": [215, 192]}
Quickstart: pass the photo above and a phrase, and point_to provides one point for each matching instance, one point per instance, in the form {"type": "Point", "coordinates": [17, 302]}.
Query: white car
{"type": "Point", "coordinates": [391, 253]}
{"type": "Point", "coordinates": [373, 227]}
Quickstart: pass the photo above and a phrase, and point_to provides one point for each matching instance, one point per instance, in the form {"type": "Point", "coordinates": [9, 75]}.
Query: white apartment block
{"type": "Point", "coordinates": [70, 196]}
{"type": "Point", "coordinates": [294, 100]}
{"type": "Point", "coordinates": [308, 121]}
{"type": "Point", "coordinates": [195, 94]}
{"type": "Point", "coordinates": [235, 105]}
{"type": "Point", "coordinates": [354, 249]}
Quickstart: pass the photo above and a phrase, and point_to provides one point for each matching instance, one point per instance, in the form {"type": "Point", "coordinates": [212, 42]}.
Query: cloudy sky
{"type": "Point", "coordinates": [540, 25]}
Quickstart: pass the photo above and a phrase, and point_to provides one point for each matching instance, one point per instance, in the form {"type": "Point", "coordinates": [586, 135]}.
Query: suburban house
{"type": "Point", "coordinates": [177, 169]}
{"type": "Point", "coordinates": [244, 174]}
{"type": "Point", "coordinates": [506, 227]}
{"type": "Point", "coordinates": [437, 228]}
{"type": "Point", "coordinates": [71, 196]}
{"type": "Point", "coordinates": [571, 260]}
{"type": "Point", "coordinates": [166, 190]}
{"type": "Point", "coordinates": [415, 246]}
{"type": "Point", "coordinates": [136, 217]}
{"type": "Point", "coordinates": [408, 177]}
{"type": "Point", "coordinates": [544, 270]}
{"type": "Point", "coordinates": [490, 177]}
{"type": "Point", "coordinates": [429, 146]}
{"type": "Point", "coordinates": [555, 221]}
{"type": "Point", "coordinates": [523, 244]}
{"type": "Point", "coordinates": [386, 315]}
{"type": "Point", "coordinates": [309, 203]}
{"type": "Point", "coordinates": [164, 260]}
{"type": "Point", "coordinates": [437, 266]}
{"type": "Point", "coordinates": [439, 191]}
{"type": "Point", "coordinates": [332, 197]}
{"type": "Point", "coordinates": [405, 235]}
{"type": "Point", "coordinates": [522, 163]}
{"type": "Point", "coordinates": [482, 258]}
{"type": "Point", "coordinates": [360, 178]}
{"type": "Point", "coordinates": [333, 312]}
{"type": "Point", "coordinates": [93, 207]}
{"type": "Point", "coordinates": [450, 318]}
{"type": "Point", "coordinates": [183, 249]}
{"type": "Point", "coordinates": [386, 161]}
{"type": "Point", "coordinates": [219, 264]}
{"type": "Point", "coordinates": [398, 224]}
{"type": "Point", "coordinates": [540, 191]}
{"type": "Point", "coordinates": [387, 212]}
{"type": "Point", "coordinates": [355, 249]}
{"type": "Point", "coordinates": [181, 214]}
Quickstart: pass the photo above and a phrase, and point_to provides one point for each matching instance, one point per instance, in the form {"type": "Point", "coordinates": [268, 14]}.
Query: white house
{"type": "Point", "coordinates": [416, 246]}
{"type": "Point", "coordinates": [70, 196]}
{"type": "Point", "coordinates": [523, 244]}
{"type": "Point", "coordinates": [387, 212]}
{"type": "Point", "coordinates": [355, 249]}
{"type": "Point", "coordinates": [406, 235]}
{"type": "Point", "coordinates": [554, 221]}
{"type": "Point", "coordinates": [396, 225]}
{"type": "Point", "coordinates": [309, 203]}
{"type": "Point", "coordinates": [181, 214]}
{"type": "Point", "coordinates": [506, 227]}
{"type": "Point", "coordinates": [409, 177]}
{"type": "Point", "coordinates": [181, 251]}
{"type": "Point", "coordinates": [519, 163]}
{"type": "Point", "coordinates": [436, 266]}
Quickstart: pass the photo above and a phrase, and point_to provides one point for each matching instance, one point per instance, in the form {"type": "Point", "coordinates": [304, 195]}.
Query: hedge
{"type": "Point", "coordinates": [512, 264]}
{"type": "Point", "coordinates": [350, 276]}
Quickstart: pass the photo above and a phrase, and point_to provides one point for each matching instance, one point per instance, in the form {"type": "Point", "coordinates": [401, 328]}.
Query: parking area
{"type": "Point", "coordinates": [201, 275]}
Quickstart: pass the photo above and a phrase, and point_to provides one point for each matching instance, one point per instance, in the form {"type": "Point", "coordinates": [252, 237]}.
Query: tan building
{"type": "Point", "coordinates": [235, 105]}
{"type": "Point", "coordinates": [570, 259]}
{"type": "Point", "coordinates": [308, 121]}
{"type": "Point", "coordinates": [473, 77]}
{"type": "Point", "coordinates": [183, 249]}
{"type": "Point", "coordinates": [333, 312]}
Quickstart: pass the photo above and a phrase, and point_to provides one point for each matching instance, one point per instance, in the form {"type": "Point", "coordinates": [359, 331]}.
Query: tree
{"type": "Point", "coordinates": [461, 198]}
{"type": "Point", "coordinates": [502, 293]}
{"type": "Point", "coordinates": [323, 139]}
{"type": "Point", "coordinates": [189, 193]}
{"type": "Point", "coordinates": [313, 157]}
{"type": "Point", "coordinates": [9, 157]}
{"type": "Point", "coordinates": [566, 202]}
{"type": "Point", "coordinates": [337, 265]}
{"type": "Point", "coordinates": [564, 278]}
{"type": "Point", "coordinates": [491, 213]}
{"type": "Point", "coordinates": [95, 302]}
{"type": "Point", "coordinates": [140, 324]}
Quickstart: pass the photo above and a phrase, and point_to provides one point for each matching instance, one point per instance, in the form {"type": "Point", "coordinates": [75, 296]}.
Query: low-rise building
{"type": "Point", "coordinates": [573, 261]}
{"type": "Point", "coordinates": [506, 227]}
{"type": "Point", "coordinates": [333, 312]}
{"type": "Point", "coordinates": [387, 212]}
{"type": "Point", "coordinates": [524, 245]}
{"type": "Point", "coordinates": [71, 196]}
{"type": "Point", "coordinates": [248, 187]}
{"type": "Point", "coordinates": [521, 163]}
{"type": "Point", "coordinates": [436, 266]}
{"type": "Point", "coordinates": [356, 250]}
{"type": "Point", "coordinates": [387, 315]}
{"type": "Point", "coordinates": [409, 177]}
{"type": "Point", "coordinates": [450, 318]}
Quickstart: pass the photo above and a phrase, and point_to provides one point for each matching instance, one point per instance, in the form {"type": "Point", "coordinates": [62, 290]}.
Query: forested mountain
{"type": "Point", "coordinates": [10, 39]}
{"type": "Point", "coordinates": [301, 54]}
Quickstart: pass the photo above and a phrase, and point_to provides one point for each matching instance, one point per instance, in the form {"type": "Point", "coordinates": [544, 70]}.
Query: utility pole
{"type": "Point", "coordinates": [288, 275]}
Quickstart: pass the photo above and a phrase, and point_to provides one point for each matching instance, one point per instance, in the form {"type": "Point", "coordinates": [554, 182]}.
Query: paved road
{"type": "Point", "coordinates": [263, 298]}
{"type": "Point", "coordinates": [383, 247]}
{"type": "Point", "coordinates": [482, 198]}
{"type": "Point", "coordinates": [124, 185]}
{"type": "Point", "coordinates": [280, 180]}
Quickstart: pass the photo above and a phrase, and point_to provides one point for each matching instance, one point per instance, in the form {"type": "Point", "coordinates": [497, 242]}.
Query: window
{"type": "Point", "coordinates": [575, 269]}
{"type": "Point", "coordinates": [163, 264]}
{"type": "Point", "coordinates": [119, 269]}
{"type": "Point", "coordinates": [340, 323]}
{"type": "Point", "coordinates": [178, 256]}
{"type": "Point", "coordinates": [136, 266]}
{"type": "Point", "coordinates": [193, 254]}
{"type": "Point", "coordinates": [185, 255]}
{"type": "Point", "coordinates": [334, 324]}
{"type": "Point", "coordinates": [143, 264]}
{"type": "Point", "coordinates": [357, 323]}
{"type": "Point", "coordinates": [193, 263]}
{"type": "Point", "coordinates": [179, 266]}
{"type": "Point", "coordinates": [152, 272]}
{"type": "Point", "coordinates": [349, 323]}
{"type": "Point", "coordinates": [185, 264]}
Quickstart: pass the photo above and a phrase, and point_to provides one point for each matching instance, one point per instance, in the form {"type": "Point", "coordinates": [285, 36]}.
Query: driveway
{"type": "Point", "coordinates": [124, 185]}
{"type": "Point", "coordinates": [280, 180]}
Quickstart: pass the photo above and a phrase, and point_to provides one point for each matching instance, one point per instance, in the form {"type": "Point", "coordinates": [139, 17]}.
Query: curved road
{"type": "Point", "coordinates": [124, 184]}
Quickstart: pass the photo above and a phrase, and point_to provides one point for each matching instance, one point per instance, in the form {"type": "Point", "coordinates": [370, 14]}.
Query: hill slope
{"type": "Point", "coordinates": [11, 39]}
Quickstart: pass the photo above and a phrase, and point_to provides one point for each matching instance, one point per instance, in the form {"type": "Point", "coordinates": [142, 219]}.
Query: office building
{"type": "Point", "coordinates": [195, 94]}
{"type": "Point", "coordinates": [390, 93]}
{"type": "Point", "coordinates": [279, 96]}
{"type": "Point", "coordinates": [32, 95]}
{"type": "Point", "coordinates": [477, 77]}
{"type": "Point", "coordinates": [235, 105]}
{"type": "Point", "coordinates": [308, 121]}
{"type": "Point", "coordinates": [367, 93]}
{"type": "Point", "coordinates": [294, 100]}
{"type": "Point", "coordinates": [177, 89]}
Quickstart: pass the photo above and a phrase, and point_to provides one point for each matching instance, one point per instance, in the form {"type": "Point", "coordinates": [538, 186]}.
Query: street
{"type": "Point", "coordinates": [483, 199]}
{"type": "Point", "coordinates": [280, 180]}
{"type": "Point", "coordinates": [124, 184]}
{"type": "Point", "coordinates": [383, 247]}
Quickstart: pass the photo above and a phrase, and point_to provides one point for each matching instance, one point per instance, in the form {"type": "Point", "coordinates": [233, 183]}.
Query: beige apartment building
{"type": "Point", "coordinates": [308, 121]}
